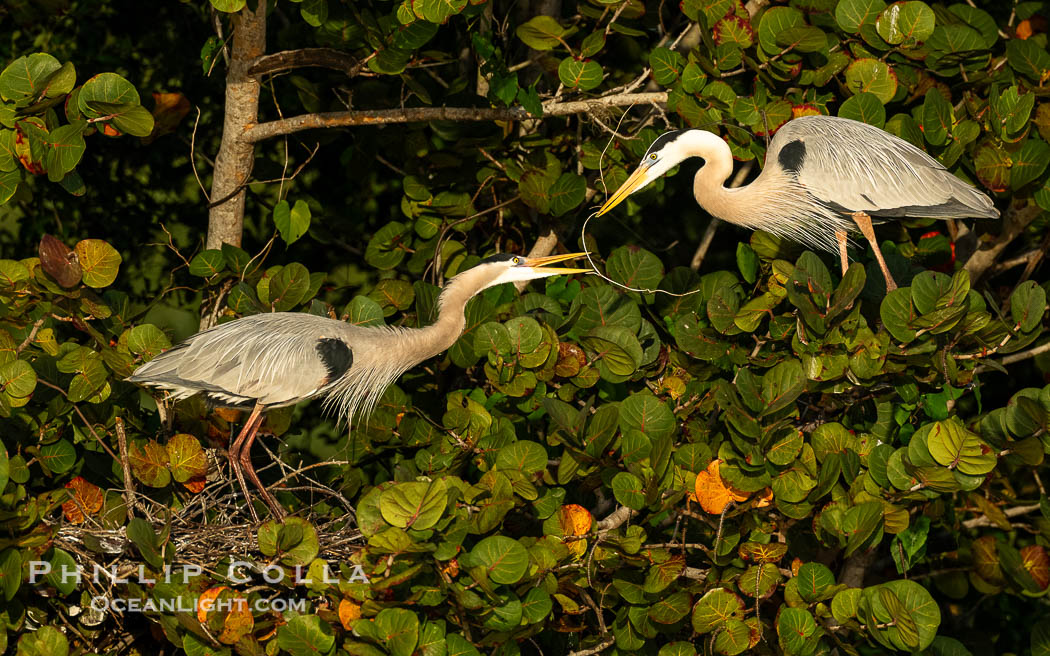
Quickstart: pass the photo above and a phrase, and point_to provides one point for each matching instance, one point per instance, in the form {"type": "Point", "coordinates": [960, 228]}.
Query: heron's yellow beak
{"type": "Point", "coordinates": [637, 179]}
{"type": "Point", "coordinates": [540, 263]}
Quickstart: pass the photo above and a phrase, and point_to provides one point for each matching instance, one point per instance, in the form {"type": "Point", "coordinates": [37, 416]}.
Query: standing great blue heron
{"type": "Point", "coordinates": [819, 170]}
{"type": "Point", "coordinates": [278, 359]}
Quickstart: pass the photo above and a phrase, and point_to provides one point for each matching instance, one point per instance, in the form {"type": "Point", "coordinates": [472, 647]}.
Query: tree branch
{"type": "Point", "coordinates": [263, 131]}
{"type": "Point", "coordinates": [1016, 511]}
{"type": "Point", "coordinates": [305, 58]}
{"type": "Point", "coordinates": [1014, 223]}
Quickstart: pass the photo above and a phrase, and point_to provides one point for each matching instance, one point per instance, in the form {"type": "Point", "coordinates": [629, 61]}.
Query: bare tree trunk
{"type": "Point", "coordinates": [233, 164]}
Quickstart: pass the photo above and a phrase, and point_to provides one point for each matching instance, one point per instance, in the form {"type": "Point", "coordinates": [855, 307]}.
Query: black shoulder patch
{"type": "Point", "coordinates": [791, 156]}
{"type": "Point", "coordinates": [335, 355]}
{"type": "Point", "coordinates": [498, 257]}
{"type": "Point", "coordinates": [663, 140]}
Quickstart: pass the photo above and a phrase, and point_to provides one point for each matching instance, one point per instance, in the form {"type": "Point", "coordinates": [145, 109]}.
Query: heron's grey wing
{"type": "Point", "coordinates": [277, 359]}
{"type": "Point", "coordinates": [856, 167]}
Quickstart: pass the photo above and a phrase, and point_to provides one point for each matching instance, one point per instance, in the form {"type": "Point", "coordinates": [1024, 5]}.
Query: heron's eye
{"type": "Point", "coordinates": [653, 156]}
{"type": "Point", "coordinates": [516, 260]}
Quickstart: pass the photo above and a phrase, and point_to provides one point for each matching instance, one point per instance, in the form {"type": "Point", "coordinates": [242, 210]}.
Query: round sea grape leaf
{"type": "Point", "coordinates": [803, 38]}
{"type": "Point", "coordinates": [228, 6]}
{"type": "Point", "coordinates": [525, 336]}
{"type": "Point", "coordinates": [795, 626]}
{"type": "Point", "coordinates": [852, 15]}
{"type": "Point", "coordinates": [916, 602]}
{"type": "Point", "coordinates": [62, 563]}
{"type": "Point", "coordinates": [953, 446]}
{"type": "Point", "coordinates": [635, 267]}
{"type": "Point", "coordinates": [523, 456]}
{"type": "Point", "coordinates": [600, 305]}
{"type": "Point", "coordinates": [400, 630]}
{"type": "Point", "coordinates": [617, 352]}
{"type": "Point", "coordinates": [1028, 58]}
{"type": "Point", "coordinates": [992, 164]}
{"type": "Point", "coordinates": [872, 76]}
{"type": "Point", "coordinates": [583, 74]}
{"type": "Point", "coordinates": [734, 638]}
{"type": "Point", "coordinates": [671, 608]}
{"type": "Point", "coordinates": [106, 88]}
{"type": "Point", "coordinates": [504, 559]}
{"type": "Point", "coordinates": [906, 22]}
{"type": "Point", "coordinates": [363, 311]}
{"type": "Point", "coordinates": [99, 261]}
{"type": "Point", "coordinates": [927, 288]}
{"type": "Point", "coordinates": [149, 463]}
{"type": "Point", "coordinates": [540, 32]}
{"type": "Point", "coordinates": [289, 287]}
{"type": "Point", "coordinates": [1029, 162]}
{"type": "Point", "coordinates": [937, 118]}
{"type": "Point", "coordinates": [781, 385]}
{"type": "Point", "coordinates": [59, 457]}
{"type": "Point", "coordinates": [536, 606]}
{"type": "Point", "coordinates": [898, 313]}
{"type": "Point", "coordinates": [17, 379]}
{"type": "Point", "coordinates": [760, 581]}
{"type": "Point", "coordinates": [647, 414]}
{"type": "Point", "coordinates": [732, 31]}
{"type": "Point", "coordinates": [844, 604]}
{"type": "Point", "coordinates": [774, 21]}
{"type": "Point", "coordinates": [417, 504]}
{"type": "Point", "coordinates": [128, 117]}
{"type": "Point", "coordinates": [864, 107]}
{"type": "Point", "coordinates": [1027, 305]}
{"type": "Point", "coordinates": [293, 221]}
{"type": "Point", "coordinates": [65, 148]}
{"type": "Point", "coordinates": [293, 540]}
{"type": "Point", "coordinates": [814, 580]}
{"type": "Point", "coordinates": [793, 485]}
{"type": "Point", "coordinates": [25, 77]}
{"type": "Point", "coordinates": [186, 458]}
{"type": "Point", "coordinates": [493, 337]}
{"type": "Point", "coordinates": [207, 263]}
{"type": "Point", "coordinates": [785, 450]}
{"type": "Point", "coordinates": [12, 273]}
{"type": "Point", "coordinates": [306, 635]}
{"type": "Point", "coordinates": [677, 649]}
{"type": "Point", "coordinates": [567, 192]}
{"type": "Point", "coordinates": [592, 44]}
{"type": "Point", "coordinates": [10, 572]}
{"type": "Point", "coordinates": [666, 65]}
{"type": "Point", "coordinates": [629, 490]}
{"type": "Point", "coordinates": [384, 249]}
{"type": "Point", "coordinates": [46, 641]}
{"type": "Point", "coordinates": [716, 607]}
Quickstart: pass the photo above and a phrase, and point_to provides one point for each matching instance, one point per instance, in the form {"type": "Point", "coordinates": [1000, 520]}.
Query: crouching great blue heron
{"type": "Point", "coordinates": [274, 360]}
{"type": "Point", "coordinates": [820, 171]}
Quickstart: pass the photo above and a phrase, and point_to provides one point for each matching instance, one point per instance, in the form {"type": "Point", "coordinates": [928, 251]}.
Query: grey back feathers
{"type": "Point", "coordinates": [856, 167]}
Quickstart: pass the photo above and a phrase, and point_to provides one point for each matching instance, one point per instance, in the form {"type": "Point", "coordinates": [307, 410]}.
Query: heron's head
{"type": "Point", "coordinates": [667, 152]}
{"type": "Point", "coordinates": [503, 267]}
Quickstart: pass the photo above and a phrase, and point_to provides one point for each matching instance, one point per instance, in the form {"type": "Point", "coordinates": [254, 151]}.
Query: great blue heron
{"type": "Point", "coordinates": [278, 359]}
{"type": "Point", "coordinates": [820, 171]}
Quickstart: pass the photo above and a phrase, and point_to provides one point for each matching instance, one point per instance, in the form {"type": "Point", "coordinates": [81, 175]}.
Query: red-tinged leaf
{"type": "Point", "coordinates": [733, 29]}
{"type": "Point", "coordinates": [86, 500]}
{"type": "Point", "coordinates": [1037, 562]}
{"type": "Point", "coordinates": [168, 111]}
{"type": "Point", "coordinates": [805, 109]}
{"type": "Point", "coordinates": [59, 261]}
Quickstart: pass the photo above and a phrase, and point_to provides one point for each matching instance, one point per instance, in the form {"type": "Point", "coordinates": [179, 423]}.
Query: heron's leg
{"type": "Point", "coordinates": [246, 462]}
{"type": "Point", "coordinates": [863, 222]}
{"type": "Point", "coordinates": [843, 239]}
{"type": "Point", "coordinates": [249, 428]}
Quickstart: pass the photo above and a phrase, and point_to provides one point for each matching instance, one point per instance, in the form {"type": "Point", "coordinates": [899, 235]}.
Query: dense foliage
{"type": "Point", "coordinates": [771, 458]}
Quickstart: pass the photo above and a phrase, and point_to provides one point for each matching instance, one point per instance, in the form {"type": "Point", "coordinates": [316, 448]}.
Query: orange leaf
{"type": "Point", "coordinates": [713, 493]}
{"type": "Point", "coordinates": [110, 131]}
{"type": "Point", "coordinates": [452, 569]}
{"type": "Point", "coordinates": [574, 519]}
{"type": "Point", "coordinates": [206, 602]}
{"type": "Point", "coordinates": [195, 485]}
{"type": "Point", "coordinates": [764, 498]}
{"type": "Point", "coordinates": [804, 110]}
{"type": "Point", "coordinates": [1024, 30]}
{"type": "Point", "coordinates": [348, 612]}
{"type": "Point", "coordinates": [87, 499]}
{"type": "Point", "coordinates": [168, 111]}
{"type": "Point", "coordinates": [796, 564]}
{"type": "Point", "coordinates": [228, 414]}
{"type": "Point", "coordinates": [238, 623]}
{"type": "Point", "coordinates": [1036, 561]}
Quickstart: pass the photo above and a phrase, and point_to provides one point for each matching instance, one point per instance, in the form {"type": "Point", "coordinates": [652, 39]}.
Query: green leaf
{"type": "Point", "coordinates": [146, 541]}
{"type": "Point", "coordinates": [714, 608]}
{"type": "Point", "coordinates": [523, 456]}
{"type": "Point", "coordinates": [953, 446]}
{"type": "Point", "coordinates": [305, 635]}
{"type": "Point", "coordinates": [65, 148]}
{"type": "Point", "coordinates": [10, 572]}
{"type": "Point", "coordinates": [905, 22]}
{"type": "Point", "coordinates": [149, 462]}
{"type": "Point", "coordinates": [936, 118]}
{"type": "Point", "coordinates": [400, 631]}
{"type": "Point", "coordinates": [106, 88]}
{"type": "Point", "coordinates": [585, 74]}
{"type": "Point", "coordinates": [794, 627]}
{"type": "Point", "coordinates": [45, 641]}
{"type": "Point", "coordinates": [782, 385]}
{"type": "Point", "coordinates": [1026, 57]}
{"type": "Point", "coordinates": [228, 6]}
{"type": "Point", "coordinates": [635, 267]}
{"type": "Point", "coordinates": [647, 414]}
{"type": "Point", "coordinates": [385, 249]}
{"type": "Point", "coordinates": [315, 12]}
{"type": "Point", "coordinates": [872, 76]}
{"type": "Point", "coordinates": [1027, 305]}
{"type": "Point", "coordinates": [186, 458]}
{"type": "Point", "coordinates": [293, 541]}
{"type": "Point", "coordinates": [26, 77]}
{"type": "Point", "coordinates": [418, 505]}
{"type": "Point", "coordinates": [864, 107]}
{"type": "Point", "coordinates": [628, 490]}
{"type": "Point", "coordinates": [99, 262]}
{"type": "Point", "coordinates": [17, 379]}
{"type": "Point", "coordinates": [363, 311]}
{"type": "Point", "coordinates": [917, 608]}
{"type": "Point", "coordinates": [292, 221]}
{"type": "Point", "coordinates": [666, 64]}
{"type": "Point", "coordinates": [128, 117]}
{"type": "Point", "coordinates": [504, 559]}
{"type": "Point", "coordinates": [567, 192]}
{"type": "Point", "coordinates": [207, 263]}
{"type": "Point", "coordinates": [540, 32]}
{"type": "Point", "coordinates": [59, 457]}
{"type": "Point", "coordinates": [1030, 162]}
{"type": "Point", "coordinates": [814, 580]}
{"type": "Point", "coordinates": [775, 21]}
{"type": "Point", "coordinates": [852, 15]}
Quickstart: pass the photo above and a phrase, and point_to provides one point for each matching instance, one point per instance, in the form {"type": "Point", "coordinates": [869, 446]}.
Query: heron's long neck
{"type": "Point", "coordinates": [423, 343]}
